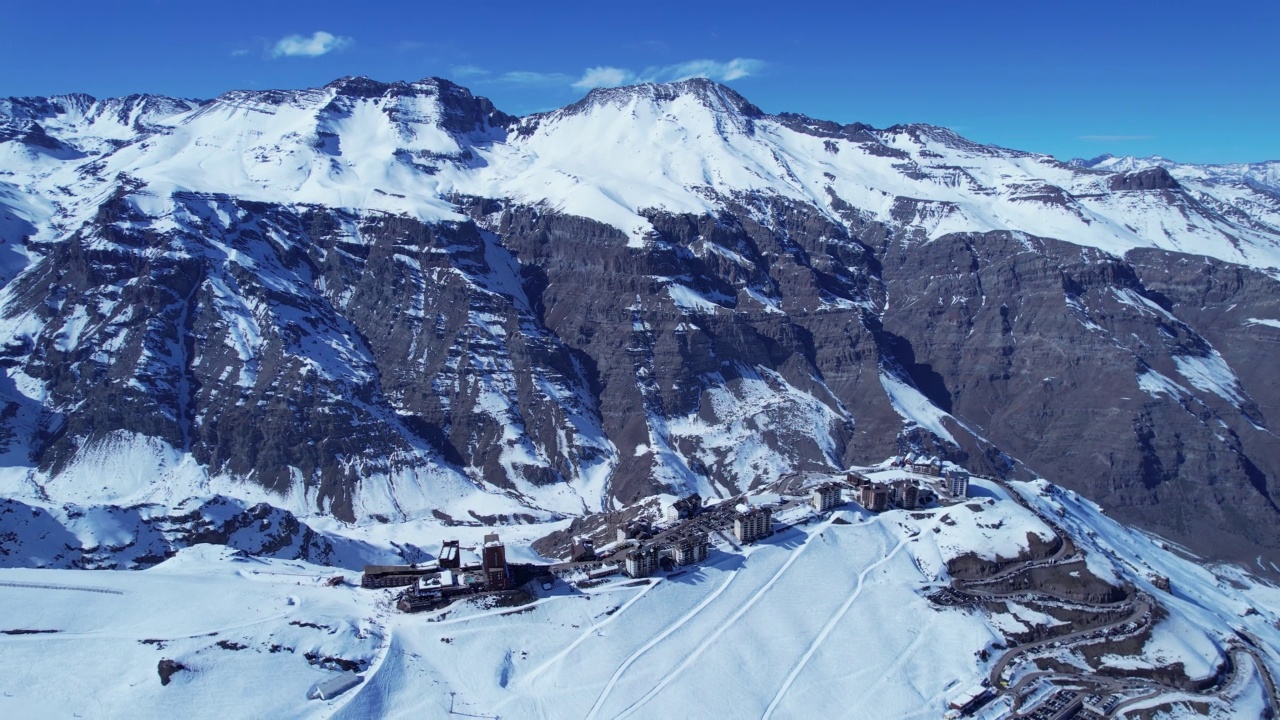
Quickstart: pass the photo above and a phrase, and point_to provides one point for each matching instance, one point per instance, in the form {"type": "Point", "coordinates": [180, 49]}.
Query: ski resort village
{"type": "Point", "coordinates": [1029, 601]}
{"type": "Point", "coordinates": [641, 544]}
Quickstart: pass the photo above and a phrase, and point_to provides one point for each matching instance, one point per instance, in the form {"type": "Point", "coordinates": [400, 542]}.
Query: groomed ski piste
{"type": "Point", "coordinates": [830, 616]}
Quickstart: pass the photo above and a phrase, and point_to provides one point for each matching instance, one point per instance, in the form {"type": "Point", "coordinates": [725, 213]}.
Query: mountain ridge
{"type": "Point", "coordinates": [392, 300]}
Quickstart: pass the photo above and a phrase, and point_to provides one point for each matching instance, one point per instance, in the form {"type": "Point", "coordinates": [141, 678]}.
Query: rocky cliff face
{"type": "Point", "coordinates": [1103, 373]}
{"type": "Point", "coordinates": [385, 301]}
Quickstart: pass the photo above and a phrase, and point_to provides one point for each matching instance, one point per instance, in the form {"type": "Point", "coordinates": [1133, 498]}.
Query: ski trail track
{"type": "Point", "coordinates": [830, 626]}
{"type": "Point", "coordinates": [892, 673]}
{"type": "Point", "coordinates": [108, 635]}
{"type": "Point", "coordinates": [45, 586]}
{"type": "Point", "coordinates": [724, 627]}
{"type": "Point", "coordinates": [589, 632]}
{"type": "Point", "coordinates": [617, 675]}
{"type": "Point", "coordinates": [489, 613]}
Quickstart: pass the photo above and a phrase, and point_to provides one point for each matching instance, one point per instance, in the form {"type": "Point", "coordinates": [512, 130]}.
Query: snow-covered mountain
{"type": "Point", "coordinates": [388, 301]}
{"type": "Point", "coordinates": [1263, 174]}
{"type": "Point", "coordinates": [1248, 191]}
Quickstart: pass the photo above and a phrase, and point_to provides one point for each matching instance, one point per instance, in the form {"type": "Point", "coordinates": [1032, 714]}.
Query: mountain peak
{"type": "Point", "coordinates": [1092, 162]}
{"type": "Point", "coordinates": [710, 93]}
{"type": "Point", "coordinates": [361, 86]}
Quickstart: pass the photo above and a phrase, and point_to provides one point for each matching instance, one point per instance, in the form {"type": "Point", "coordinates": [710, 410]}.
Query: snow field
{"type": "Point", "coordinates": [248, 601]}
{"type": "Point", "coordinates": [823, 617]}
{"type": "Point", "coordinates": [806, 619]}
{"type": "Point", "coordinates": [98, 664]}
{"type": "Point", "coordinates": [914, 407]}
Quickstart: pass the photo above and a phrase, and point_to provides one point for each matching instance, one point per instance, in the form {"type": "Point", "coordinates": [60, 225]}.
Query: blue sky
{"type": "Point", "coordinates": [1197, 82]}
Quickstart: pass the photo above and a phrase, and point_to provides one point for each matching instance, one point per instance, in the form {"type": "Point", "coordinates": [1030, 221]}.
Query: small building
{"type": "Point", "coordinates": [826, 496]}
{"type": "Point", "coordinates": [692, 548]}
{"type": "Point", "coordinates": [434, 586]}
{"type": "Point", "coordinates": [450, 555]}
{"type": "Point", "coordinates": [641, 562]}
{"type": "Point", "coordinates": [855, 479]}
{"type": "Point", "coordinates": [905, 494]}
{"type": "Point", "coordinates": [927, 466]}
{"type": "Point", "coordinates": [494, 563]}
{"type": "Point", "coordinates": [603, 571]}
{"type": "Point", "coordinates": [434, 589]}
{"type": "Point", "coordinates": [684, 508]}
{"type": "Point", "coordinates": [635, 530]}
{"type": "Point", "coordinates": [471, 560]}
{"type": "Point", "coordinates": [874, 497]}
{"type": "Point", "coordinates": [334, 686]}
{"type": "Point", "coordinates": [958, 483]}
{"type": "Point", "coordinates": [971, 699]}
{"type": "Point", "coordinates": [384, 576]}
{"type": "Point", "coordinates": [584, 550]}
{"type": "Point", "coordinates": [751, 524]}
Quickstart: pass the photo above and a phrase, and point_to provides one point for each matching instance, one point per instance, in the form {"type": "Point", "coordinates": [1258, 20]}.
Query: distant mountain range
{"type": "Point", "coordinates": [382, 301]}
{"type": "Point", "coordinates": [1260, 175]}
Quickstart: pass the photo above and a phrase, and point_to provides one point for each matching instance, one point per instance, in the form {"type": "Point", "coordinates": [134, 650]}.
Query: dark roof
{"type": "Point", "coordinates": [392, 569]}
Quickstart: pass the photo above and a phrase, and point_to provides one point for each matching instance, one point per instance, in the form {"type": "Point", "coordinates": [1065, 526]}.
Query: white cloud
{"type": "Point", "coordinates": [318, 44]}
{"type": "Point", "coordinates": [722, 71]}
{"type": "Point", "coordinates": [605, 76]}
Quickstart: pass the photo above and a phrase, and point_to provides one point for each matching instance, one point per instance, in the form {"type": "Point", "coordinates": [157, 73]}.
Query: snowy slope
{"type": "Point", "coordinates": [685, 148]}
{"type": "Point", "coordinates": [566, 655]}
{"type": "Point", "coordinates": [828, 618]}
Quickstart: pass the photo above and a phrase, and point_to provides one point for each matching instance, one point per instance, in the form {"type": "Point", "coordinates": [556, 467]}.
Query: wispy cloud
{"type": "Point", "coordinates": [525, 77]}
{"type": "Point", "coordinates": [468, 72]}
{"type": "Point", "coordinates": [475, 73]}
{"type": "Point", "coordinates": [607, 76]}
{"type": "Point", "coordinates": [723, 71]}
{"type": "Point", "coordinates": [239, 52]}
{"type": "Point", "coordinates": [319, 43]}
{"type": "Point", "coordinates": [1114, 138]}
